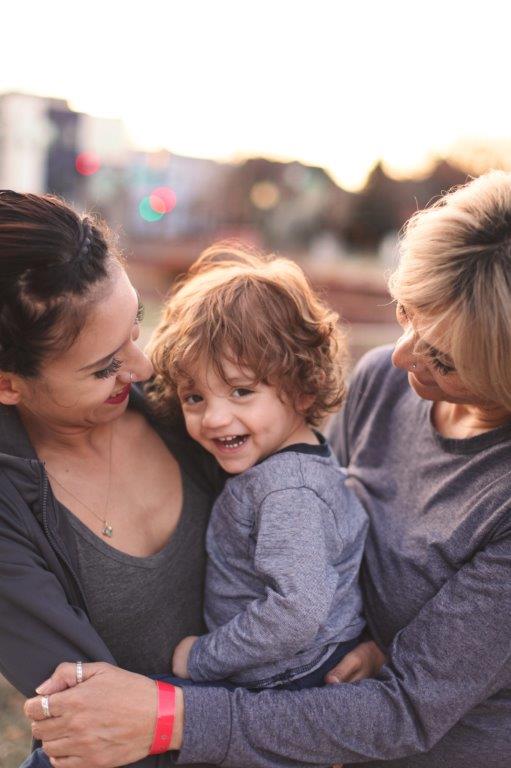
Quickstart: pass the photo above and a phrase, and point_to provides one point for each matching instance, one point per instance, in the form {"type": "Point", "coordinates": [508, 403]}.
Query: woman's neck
{"type": "Point", "coordinates": [462, 420]}
{"type": "Point", "coordinates": [48, 437]}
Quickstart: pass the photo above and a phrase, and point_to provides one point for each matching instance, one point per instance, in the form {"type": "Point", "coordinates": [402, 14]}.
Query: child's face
{"type": "Point", "coordinates": [239, 422]}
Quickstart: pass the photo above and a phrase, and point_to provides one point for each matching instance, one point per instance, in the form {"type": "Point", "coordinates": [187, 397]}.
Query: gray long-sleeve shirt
{"type": "Point", "coordinates": [437, 591]}
{"type": "Point", "coordinates": [284, 542]}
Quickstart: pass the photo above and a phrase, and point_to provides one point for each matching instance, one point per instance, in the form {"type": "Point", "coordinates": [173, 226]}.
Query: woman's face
{"type": "Point", "coordinates": [89, 383]}
{"type": "Point", "coordinates": [431, 373]}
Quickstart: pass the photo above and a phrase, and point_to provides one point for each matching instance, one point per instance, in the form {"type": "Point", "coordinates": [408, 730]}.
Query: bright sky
{"type": "Point", "coordinates": [328, 82]}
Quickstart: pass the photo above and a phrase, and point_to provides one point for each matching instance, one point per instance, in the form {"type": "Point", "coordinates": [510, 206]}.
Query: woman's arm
{"type": "Point", "coordinates": [453, 656]}
{"type": "Point", "coordinates": [435, 676]}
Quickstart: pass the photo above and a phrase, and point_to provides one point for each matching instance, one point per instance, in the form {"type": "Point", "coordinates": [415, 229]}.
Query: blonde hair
{"type": "Point", "coordinates": [455, 273]}
{"type": "Point", "coordinates": [259, 312]}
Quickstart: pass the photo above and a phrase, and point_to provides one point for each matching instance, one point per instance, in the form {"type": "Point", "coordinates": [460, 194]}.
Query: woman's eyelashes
{"type": "Point", "coordinates": [110, 370]}
{"type": "Point", "coordinates": [442, 368]}
{"type": "Point", "coordinates": [115, 365]}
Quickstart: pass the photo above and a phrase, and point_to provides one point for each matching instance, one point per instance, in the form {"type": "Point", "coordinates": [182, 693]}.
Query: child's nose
{"type": "Point", "coordinates": [216, 416]}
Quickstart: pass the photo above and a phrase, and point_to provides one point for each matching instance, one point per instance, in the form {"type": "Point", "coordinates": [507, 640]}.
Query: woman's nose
{"type": "Point", "coordinates": [403, 355]}
{"type": "Point", "coordinates": [137, 367]}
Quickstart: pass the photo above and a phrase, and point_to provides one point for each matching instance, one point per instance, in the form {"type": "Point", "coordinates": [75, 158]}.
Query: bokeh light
{"type": "Point", "coordinates": [147, 212]}
{"type": "Point", "coordinates": [265, 195]}
{"type": "Point", "coordinates": [87, 163]}
{"type": "Point", "coordinates": [162, 200]}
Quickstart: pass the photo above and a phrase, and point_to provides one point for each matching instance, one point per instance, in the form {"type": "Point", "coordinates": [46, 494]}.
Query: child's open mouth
{"type": "Point", "coordinates": [230, 442]}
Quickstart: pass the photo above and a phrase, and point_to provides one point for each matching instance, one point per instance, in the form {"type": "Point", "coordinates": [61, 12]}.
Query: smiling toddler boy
{"type": "Point", "coordinates": [254, 360]}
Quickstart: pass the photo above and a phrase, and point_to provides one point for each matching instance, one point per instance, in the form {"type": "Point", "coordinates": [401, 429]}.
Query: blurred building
{"type": "Point", "coordinates": [47, 147]}
{"type": "Point", "coordinates": [25, 137]}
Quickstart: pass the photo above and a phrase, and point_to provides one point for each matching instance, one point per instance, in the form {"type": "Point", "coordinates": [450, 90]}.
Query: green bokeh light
{"type": "Point", "coordinates": [147, 212]}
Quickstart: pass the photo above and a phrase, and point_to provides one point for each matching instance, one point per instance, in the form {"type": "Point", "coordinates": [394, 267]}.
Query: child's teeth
{"type": "Point", "coordinates": [232, 441]}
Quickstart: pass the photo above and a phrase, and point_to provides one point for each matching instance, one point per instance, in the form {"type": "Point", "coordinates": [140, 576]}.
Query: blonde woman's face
{"type": "Point", "coordinates": [431, 373]}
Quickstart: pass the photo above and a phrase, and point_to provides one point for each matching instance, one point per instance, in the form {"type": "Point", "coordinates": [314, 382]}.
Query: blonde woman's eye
{"type": "Point", "coordinates": [442, 368]}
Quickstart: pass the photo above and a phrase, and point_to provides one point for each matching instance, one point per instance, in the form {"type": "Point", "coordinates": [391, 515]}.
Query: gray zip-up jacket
{"type": "Point", "coordinates": [43, 613]}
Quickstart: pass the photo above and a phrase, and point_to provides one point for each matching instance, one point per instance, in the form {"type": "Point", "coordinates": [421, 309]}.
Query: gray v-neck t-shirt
{"type": "Point", "coordinates": [143, 606]}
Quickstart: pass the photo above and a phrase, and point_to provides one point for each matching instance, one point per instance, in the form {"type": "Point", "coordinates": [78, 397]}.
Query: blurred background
{"type": "Point", "coordinates": [310, 129]}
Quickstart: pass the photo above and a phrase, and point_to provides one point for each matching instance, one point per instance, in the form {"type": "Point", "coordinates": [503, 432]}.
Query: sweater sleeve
{"type": "Point", "coordinates": [453, 656]}
{"type": "Point", "coordinates": [290, 557]}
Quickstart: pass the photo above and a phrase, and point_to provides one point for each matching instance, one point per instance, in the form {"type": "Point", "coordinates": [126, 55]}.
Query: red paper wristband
{"type": "Point", "coordinates": [164, 719]}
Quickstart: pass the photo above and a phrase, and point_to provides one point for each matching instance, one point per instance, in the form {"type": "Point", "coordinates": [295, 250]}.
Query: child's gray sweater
{"type": "Point", "coordinates": [284, 542]}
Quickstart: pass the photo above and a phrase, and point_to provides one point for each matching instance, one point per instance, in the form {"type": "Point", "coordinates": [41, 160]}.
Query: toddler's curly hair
{"type": "Point", "coordinates": [260, 313]}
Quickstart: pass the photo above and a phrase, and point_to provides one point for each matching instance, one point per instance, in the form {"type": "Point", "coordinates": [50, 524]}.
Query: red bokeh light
{"type": "Point", "coordinates": [87, 163]}
{"type": "Point", "coordinates": [162, 199]}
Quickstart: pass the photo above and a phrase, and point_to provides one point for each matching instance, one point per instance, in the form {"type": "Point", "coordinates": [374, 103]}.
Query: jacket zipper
{"type": "Point", "coordinates": [54, 541]}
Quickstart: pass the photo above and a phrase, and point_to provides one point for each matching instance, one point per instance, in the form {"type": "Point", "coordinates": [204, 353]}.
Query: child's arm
{"type": "Point", "coordinates": [290, 558]}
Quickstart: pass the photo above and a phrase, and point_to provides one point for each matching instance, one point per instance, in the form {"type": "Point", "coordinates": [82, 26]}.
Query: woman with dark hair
{"type": "Point", "coordinates": [426, 436]}
{"type": "Point", "coordinates": [103, 511]}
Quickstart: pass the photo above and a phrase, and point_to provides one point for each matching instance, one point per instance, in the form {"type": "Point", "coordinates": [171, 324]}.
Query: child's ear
{"type": "Point", "coordinates": [304, 402]}
{"type": "Point", "coordinates": [9, 391]}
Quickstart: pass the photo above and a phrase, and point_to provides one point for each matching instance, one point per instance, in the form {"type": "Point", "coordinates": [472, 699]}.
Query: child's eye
{"type": "Point", "coordinates": [242, 392]}
{"type": "Point", "coordinates": [192, 399]}
{"type": "Point", "coordinates": [112, 368]}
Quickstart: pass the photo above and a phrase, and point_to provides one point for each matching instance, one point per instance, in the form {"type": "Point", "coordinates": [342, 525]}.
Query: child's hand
{"type": "Point", "coordinates": [180, 656]}
{"type": "Point", "coordinates": [365, 660]}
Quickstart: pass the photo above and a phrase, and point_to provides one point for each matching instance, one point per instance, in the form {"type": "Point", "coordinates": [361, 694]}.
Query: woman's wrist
{"type": "Point", "coordinates": [177, 733]}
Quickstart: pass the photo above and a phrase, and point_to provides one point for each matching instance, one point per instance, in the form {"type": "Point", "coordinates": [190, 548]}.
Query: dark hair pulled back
{"type": "Point", "coordinates": [49, 256]}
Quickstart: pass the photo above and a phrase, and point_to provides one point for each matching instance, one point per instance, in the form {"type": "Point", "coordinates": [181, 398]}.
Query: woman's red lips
{"type": "Point", "coordinates": [122, 395]}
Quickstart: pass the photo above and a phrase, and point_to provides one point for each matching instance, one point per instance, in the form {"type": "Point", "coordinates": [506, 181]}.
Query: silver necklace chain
{"type": "Point", "coordinates": [107, 529]}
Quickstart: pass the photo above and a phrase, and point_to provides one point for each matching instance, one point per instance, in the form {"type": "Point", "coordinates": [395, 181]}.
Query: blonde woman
{"type": "Point", "coordinates": [426, 435]}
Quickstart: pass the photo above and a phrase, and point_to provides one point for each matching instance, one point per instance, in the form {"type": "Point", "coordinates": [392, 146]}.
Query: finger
{"type": "Point", "coordinates": [51, 728]}
{"type": "Point", "coordinates": [33, 708]}
{"type": "Point", "coordinates": [59, 748]}
{"type": "Point", "coordinates": [67, 762]}
{"type": "Point", "coordinates": [343, 671]}
{"type": "Point", "coordinates": [65, 676]}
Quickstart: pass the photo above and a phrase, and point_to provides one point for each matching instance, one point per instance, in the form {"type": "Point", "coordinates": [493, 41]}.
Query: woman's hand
{"type": "Point", "coordinates": [180, 656]}
{"type": "Point", "coordinates": [106, 721]}
{"type": "Point", "coordinates": [365, 660]}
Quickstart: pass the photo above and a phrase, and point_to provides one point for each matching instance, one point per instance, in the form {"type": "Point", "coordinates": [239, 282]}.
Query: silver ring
{"type": "Point", "coordinates": [79, 672]}
{"type": "Point", "coordinates": [45, 704]}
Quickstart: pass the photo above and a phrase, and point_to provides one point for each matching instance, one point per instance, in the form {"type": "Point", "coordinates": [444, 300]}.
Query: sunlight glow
{"type": "Point", "coordinates": [334, 84]}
